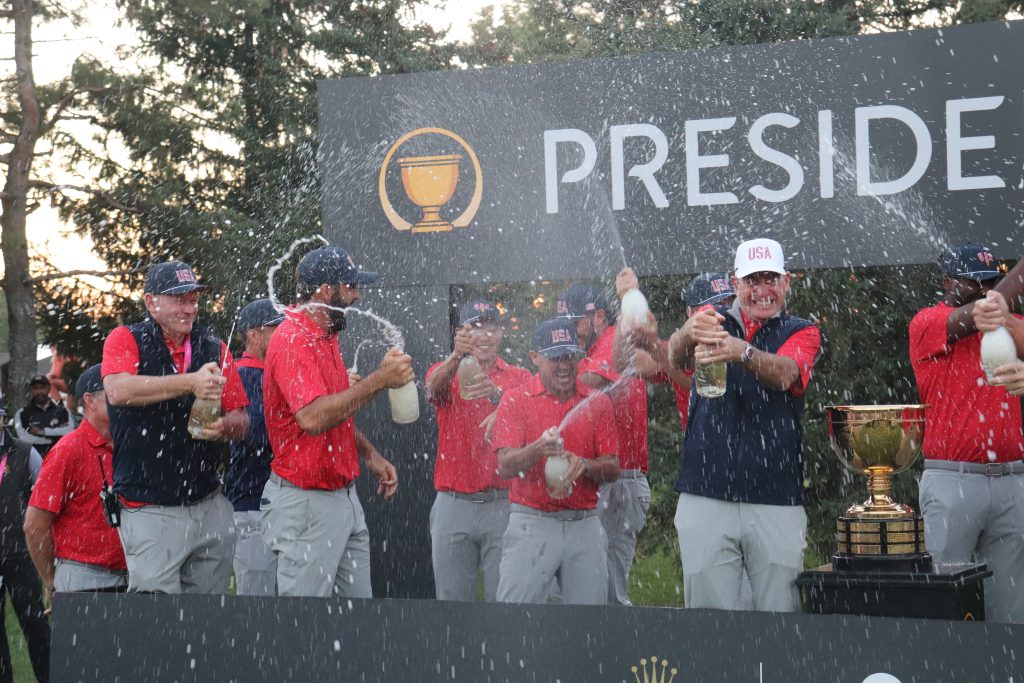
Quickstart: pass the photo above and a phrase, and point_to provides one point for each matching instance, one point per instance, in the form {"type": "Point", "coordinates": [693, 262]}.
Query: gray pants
{"type": "Point", "coordinates": [320, 539]}
{"type": "Point", "coordinates": [179, 548]}
{"type": "Point", "coordinates": [255, 565]}
{"type": "Point", "coordinates": [466, 536]}
{"type": "Point", "coordinates": [538, 545]}
{"type": "Point", "coordinates": [720, 539]}
{"type": "Point", "coordinates": [976, 516]}
{"type": "Point", "coordinates": [622, 507]}
{"type": "Point", "coordinates": [70, 577]}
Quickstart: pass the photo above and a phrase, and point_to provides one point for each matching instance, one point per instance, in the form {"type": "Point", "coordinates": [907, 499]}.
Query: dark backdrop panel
{"type": "Point", "coordinates": [503, 115]}
{"type": "Point", "coordinates": [228, 639]}
{"type": "Point", "coordinates": [399, 529]}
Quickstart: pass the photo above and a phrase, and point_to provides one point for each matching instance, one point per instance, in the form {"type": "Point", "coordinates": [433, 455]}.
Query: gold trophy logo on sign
{"type": "Point", "coordinates": [430, 182]}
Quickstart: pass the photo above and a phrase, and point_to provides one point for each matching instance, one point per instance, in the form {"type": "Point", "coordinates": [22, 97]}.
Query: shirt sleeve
{"type": "Point", "coordinates": [928, 334]}
{"type": "Point", "coordinates": [508, 427]}
{"type": "Point", "coordinates": [803, 347]}
{"type": "Point", "coordinates": [35, 463]}
{"type": "Point", "coordinates": [22, 430]}
{"type": "Point", "coordinates": [234, 396]}
{"type": "Point", "coordinates": [120, 353]}
{"type": "Point", "coordinates": [50, 490]}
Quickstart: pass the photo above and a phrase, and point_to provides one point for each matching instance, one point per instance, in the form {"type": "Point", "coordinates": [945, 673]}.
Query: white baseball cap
{"type": "Point", "coordinates": [760, 255]}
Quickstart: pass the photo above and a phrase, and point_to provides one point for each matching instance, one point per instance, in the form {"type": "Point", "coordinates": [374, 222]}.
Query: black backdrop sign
{"type": "Point", "coordinates": [866, 150]}
{"type": "Point", "coordinates": [104, 637]}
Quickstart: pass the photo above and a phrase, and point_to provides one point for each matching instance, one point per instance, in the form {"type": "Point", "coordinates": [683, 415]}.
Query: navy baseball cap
{"type": "Point", "coordinates": [89, 382]}
{"type": "Point", "coordinates": [331, 266]}
{"type": "Point", "coordinates": [39, 379]}
{"type": "Point", "coordinates": [556, 338]}
{"type": "Point", "coordinates": [172, 278]}
{"type": "Point", "coordinates": [708, 288]}
{"type": "Point", "coordinates": [259, 313]}
{"type": "Point", "coordinates": [971, 261]}
{"type": "Point", "coordinates": [579, 301]}
{"type": "Point", "coordinates": [478, 311]}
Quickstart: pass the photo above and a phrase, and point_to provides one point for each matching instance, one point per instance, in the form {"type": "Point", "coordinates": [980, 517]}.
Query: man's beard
{"type": "Point", "coordinates": [336, 316]}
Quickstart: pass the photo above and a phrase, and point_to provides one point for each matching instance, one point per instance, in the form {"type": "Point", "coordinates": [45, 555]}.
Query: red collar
{"type": "Point", "coordinates": [93, 437]}
{"type": "Point", "coordinates": [247, 360]}
{"type": "Point", "coordinates": [305, 322]}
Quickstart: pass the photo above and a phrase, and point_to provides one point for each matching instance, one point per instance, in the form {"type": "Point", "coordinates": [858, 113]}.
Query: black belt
{"type": "Point", "coordinates": [488, 496]}
{"type": "Point", "coordinates": [560, 515]}
{"type": "Point", "coordinates": [989, 469]}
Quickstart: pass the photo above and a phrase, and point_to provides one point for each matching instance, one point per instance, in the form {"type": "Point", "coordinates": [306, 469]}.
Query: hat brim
{"type": "Point", "coordinates": [980, 275]}
{"type": "Point", "coordinates": [362, 277]}
{"type": "Point", "coordinates": [743, 272]}
{"type": "Point", "coordinates": [561, 351]}
{"type": "Point", "coordinates": [181, 289]}
{"type": "Point", "coordinates": [717, 298]}
{"type": "Point", "coordinates": [481, 318]}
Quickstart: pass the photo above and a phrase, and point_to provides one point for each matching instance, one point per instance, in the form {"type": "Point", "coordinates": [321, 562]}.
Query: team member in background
{"type": "Point", "coordinates": [72, 545]}
{"type": "Point", "coordinates": [249, 466]}
{"type": "Point", "coordinates": [741, 480]}
{"type": "Point", "coordinates": [176, 524]}
{"type": "Point", "coordinates": [555, 537]}
{"type": "Point", "coordinates": [312, 517]}
{"type": "Point", "coordinates": [972, 489]}
{"type": "Point", "coordinates": [624, 502]}
{"type": "Point", "coordinates": [470, 512]}
{"type": "Point", "coordinates": [43, 420]}
{"type": "Point", "coordinates": [19, 466]}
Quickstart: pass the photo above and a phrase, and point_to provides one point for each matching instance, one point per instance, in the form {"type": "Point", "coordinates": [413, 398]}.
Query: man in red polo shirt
{"type": "Point", "coordinates": [312, 518]}
{"type": "Point", "coordinates": [176, 523]}
{"type": "Point", "coordinates": [72, 545]}
{"type": "Point", "coordinates": [624, 503]}
{"type": "Point", "coordinates": [546, 536]}
{"type": "Point", "coordinates": [972, 489]}
{"type": "Point", "coordinates": [470, 512]}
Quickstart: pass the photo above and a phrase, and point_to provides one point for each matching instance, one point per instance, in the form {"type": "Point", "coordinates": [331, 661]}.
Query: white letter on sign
{"type": "Point", "coordinates": [863, 117]}
{"type": "Point", "coordinates": [695, 162]}
{"type": "Point", "coordinates": [645, 172]}
{"type": "Point", "coordinates": [551, 140]}
{"type": "Point", "coordinates": [955, 144]}
{"type": "Point", "coordinates": [790, 165]}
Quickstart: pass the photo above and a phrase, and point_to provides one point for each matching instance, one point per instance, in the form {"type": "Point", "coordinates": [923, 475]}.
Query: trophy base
{"type": "Point", "coordinates": [432, 226]}
{"type": "Point", "coordinates": [894, 544]}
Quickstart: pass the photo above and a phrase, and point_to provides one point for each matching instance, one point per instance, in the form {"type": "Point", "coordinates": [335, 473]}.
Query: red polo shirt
{"type": "Point", "coordinates": [629, 400]}
{"type": "Point", "coordinates": [528, 410]}
{"type": "Point", "coordinates": [121, 354]}
{"type": "Point", "coordinates": [465, 462]}
{"type": "Point", "coordinates": [967, 420]}
{"type": "Point", "coordinates": [303, 363]}
{"type": "Point", "coordinates": [69, 486]}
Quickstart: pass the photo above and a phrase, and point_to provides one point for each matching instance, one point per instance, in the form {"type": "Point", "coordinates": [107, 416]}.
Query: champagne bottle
{"type": "Point", "coordinates": [711, 379]}
{"type": "Point", "coordinates": [997, 348]}
{"type": "Point", "coordinates": [204, 413]}
{"type": "Point", "coordinates": [634, 309]}
{"type": "Point", "coordinates": [405, 404]}
{"type": "Point", "coordinates": [469, 373]}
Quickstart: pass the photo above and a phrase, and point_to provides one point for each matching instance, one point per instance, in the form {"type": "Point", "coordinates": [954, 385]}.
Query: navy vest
{"type": "Point", "coordinates": [249, 467]}
{"type": "Point", "coordinates": [745, 446]}
{"type": "Point", "coordinates": [155, 459]}
{"type": "Point", "coordinates": [15, 489]}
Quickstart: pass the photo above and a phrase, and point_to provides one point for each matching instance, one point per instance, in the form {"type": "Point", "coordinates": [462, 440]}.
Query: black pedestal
{"type": "Point", "coordinates": [948, 592]}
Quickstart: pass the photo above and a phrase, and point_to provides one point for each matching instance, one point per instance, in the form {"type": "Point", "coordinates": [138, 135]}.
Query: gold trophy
{"type": "Point", "coordinates": [880, 534]}
{"type": "Point", "coordinates": [430, 182]}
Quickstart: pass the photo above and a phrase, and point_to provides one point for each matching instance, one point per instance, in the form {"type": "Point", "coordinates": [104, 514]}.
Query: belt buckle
{"type": "Point", "coordinates": [478, 498]}
{"type": "Point", "coordinates": [995, 469]}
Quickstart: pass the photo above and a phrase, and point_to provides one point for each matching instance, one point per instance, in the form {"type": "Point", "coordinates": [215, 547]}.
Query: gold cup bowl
{"type": "Point", "coordinates": [880, 442]}
{"type": "Point", "coordinates": [429, 183]}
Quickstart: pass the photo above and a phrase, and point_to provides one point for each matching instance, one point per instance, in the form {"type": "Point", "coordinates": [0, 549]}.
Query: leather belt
{"type": "Point", "coordinates": [989, 469]}
{"type": "Point", "coordinates": [560, 515]}
{"type": "Point", "coordinates": [488, 496]}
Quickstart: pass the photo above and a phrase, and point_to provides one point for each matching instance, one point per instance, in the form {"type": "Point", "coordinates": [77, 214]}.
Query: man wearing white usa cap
{"type": "Point", "coordinates": [741, 482]}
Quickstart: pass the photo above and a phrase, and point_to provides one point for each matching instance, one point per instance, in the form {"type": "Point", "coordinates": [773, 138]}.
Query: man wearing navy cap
{"type": "Point", "coordinates": [249, 465]}
{"type": "Point", "coordinates": [43, 420]}
{"type": "Point", "coordinates": [72, 545]}
{"type": "Point", "coordinates": [19, 465]}
{"type": "Point", "coordinates": [470, 512]}
{"type": "Point", "coordinates": [312, 518]}
{"type": "Point", "coordinates": [972, 489]}
{"type": "Point", "coordinates": [176, 523]}
{"type": "Point", "coordinates": [623, 505]}
{"type": "Point", "coordinates": [555, 536]}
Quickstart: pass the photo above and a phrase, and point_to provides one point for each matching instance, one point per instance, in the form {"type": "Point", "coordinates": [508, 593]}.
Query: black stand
{"type": "Point", "coordinates": [948, 592]}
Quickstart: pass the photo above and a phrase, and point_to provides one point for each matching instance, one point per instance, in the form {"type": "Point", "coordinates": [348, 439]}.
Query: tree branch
{"type": "Point", "coordinates": [105, 196]}
{"type": "Point", "coordinates": [66, 101]}
{"type": "Point", "coordinates": [75, 273]}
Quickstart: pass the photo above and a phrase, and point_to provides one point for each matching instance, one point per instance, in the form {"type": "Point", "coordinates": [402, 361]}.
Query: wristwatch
{"type": "Point", "coordinates": [748, 354]}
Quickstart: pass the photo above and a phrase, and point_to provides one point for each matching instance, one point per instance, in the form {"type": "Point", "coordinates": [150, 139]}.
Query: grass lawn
{"type": "Point", "coordinates": [657, 580]}
{"type": "Point", "coordinates": [19, 651]}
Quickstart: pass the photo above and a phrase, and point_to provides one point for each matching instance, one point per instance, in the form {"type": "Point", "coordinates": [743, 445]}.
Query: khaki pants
{"type": "Point", "coordinates": [622, 508]}
{"type": "Point", "coordinates": [70, 576]}
{"type": "Point", "coordinates": [255, 565]}
{"type": "Point", "coordinates": [320, 539]}
{"type": "Point", "coordinates": [466, 536]}
{"type": "Point", "coordinates": [720, 539]}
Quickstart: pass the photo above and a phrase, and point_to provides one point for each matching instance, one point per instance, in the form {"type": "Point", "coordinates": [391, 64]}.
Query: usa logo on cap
{"type": "Point", "coordinates": [561, 336]}
{"type": "Point", "coordinates": [185, 275]}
